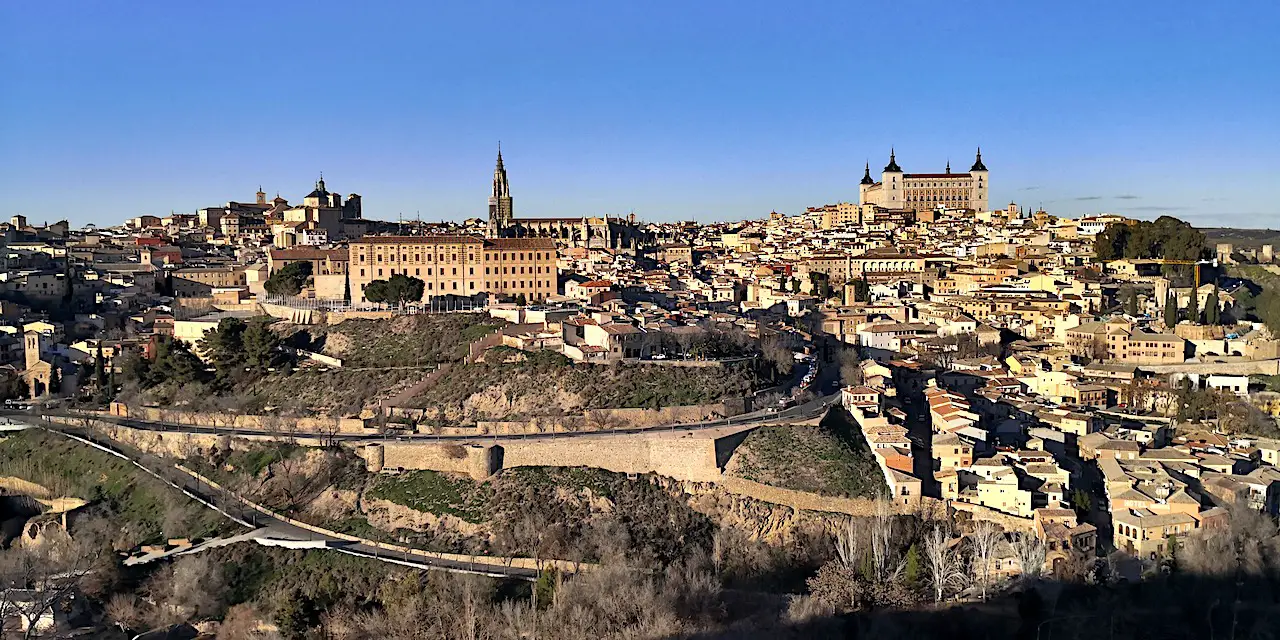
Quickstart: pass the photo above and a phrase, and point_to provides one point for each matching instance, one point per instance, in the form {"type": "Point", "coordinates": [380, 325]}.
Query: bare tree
{"type": "Point", "coordinates": [847, 544]}
{"type": "Point", "coordinates": [1030, 552]}
{"type": "Point", "coordinates": [883, 559]}
{"type": "Point", "coordinates": [43, 575]}
{"type": "Point", "coordinates": [127, 611]}
{"type": "Point", "coordinates": [986, 539]}
{"type": "Point", "coordinates": [945, 568]}
{"type": "Point", "coordinates": [191, 587]}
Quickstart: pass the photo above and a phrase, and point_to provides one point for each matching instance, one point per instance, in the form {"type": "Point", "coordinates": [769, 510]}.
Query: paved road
{"type": "Point", "coordinates": [279, 532]}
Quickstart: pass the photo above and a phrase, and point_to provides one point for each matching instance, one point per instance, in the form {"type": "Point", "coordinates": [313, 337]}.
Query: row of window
{"type": "Point", "coordinates": [471, 286]}
{"type": "Point", "coordinates": [453, 257]}
{"type": "Point", "coordinates": [471, 271]}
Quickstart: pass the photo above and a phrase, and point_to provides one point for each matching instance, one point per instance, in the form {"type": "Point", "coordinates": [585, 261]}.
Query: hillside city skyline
{"type": "Point", "coordinates": [1024, 197]}
{"type": "Point", "coordinates": [639, 321]}
{"type": "Point", "coordinates": [115, 112]}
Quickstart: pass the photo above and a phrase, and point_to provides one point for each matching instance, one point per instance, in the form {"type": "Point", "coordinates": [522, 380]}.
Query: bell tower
{"type": "Point", "coordinates": [892, 184]}
{"type": "Point", "coordinates": [500, 204]}
{"type": "Point", "coordinates": [980, 190]}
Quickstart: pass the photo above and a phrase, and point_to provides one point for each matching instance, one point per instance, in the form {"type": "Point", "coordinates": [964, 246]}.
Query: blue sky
{"type": "Point", "coordinates": [676, 110]}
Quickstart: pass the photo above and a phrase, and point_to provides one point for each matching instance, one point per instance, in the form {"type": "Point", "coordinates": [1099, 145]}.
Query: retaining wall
{"type": "Point", "coordinates": [240, 421]}
{"type": "Point", "coordinates": [930, 508]}
{"type": "Point", "coordinates": [683, 458]}
{"type": "Point", "coordinates": [1238, 368]}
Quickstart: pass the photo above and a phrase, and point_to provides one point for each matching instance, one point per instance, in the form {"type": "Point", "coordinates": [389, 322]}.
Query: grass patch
{"type": "Point", "coordinates": [536, 381]}
{"type": "Point", "coordinates": [135, 501]}
{"type": "Point", "coordinates": [434, 492]}
{"type": "Point", "coordinates": [832, 459]}
{"type": "Point", "coordinates": [403, 341]}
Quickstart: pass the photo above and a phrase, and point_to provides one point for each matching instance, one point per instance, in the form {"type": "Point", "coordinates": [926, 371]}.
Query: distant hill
{"type": "Point", "coordinates": [1242, 237]}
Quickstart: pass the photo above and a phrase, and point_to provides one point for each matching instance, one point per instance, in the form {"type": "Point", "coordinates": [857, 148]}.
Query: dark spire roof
{"type": "Point", "coordinates": [320, 191]}
{"type": "Point", "coordinates": [977, 164]}
{"type": "Point", "coordinates": [948, 166]}
{"type": "Point", "coordinates": [893, 163]}
{"type": "Point", "coordinates": [866, 176]}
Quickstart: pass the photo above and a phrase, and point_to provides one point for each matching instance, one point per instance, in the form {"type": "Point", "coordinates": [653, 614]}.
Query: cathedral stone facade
{"type": "Point", "coordinates": [592, 232]}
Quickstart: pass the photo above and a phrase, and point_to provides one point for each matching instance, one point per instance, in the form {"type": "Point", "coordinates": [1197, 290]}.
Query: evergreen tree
{"type": "Point", "coordinates": [1131, 301]}
{"type": "Point", "coordinates": [398, 289]}
{"type": "Point", "coordinates": [1193, 307]}
{"type": "Point", "coordinates": [55, 380]}
{"type": "Point", "coordinates": [912, 570]}
{"type": "Point", "coordinates": [69, 288]}
{"type": "Point", "coordinates": [1170, 310]}
{"type": "Point", "coordinates": [521, 300]}
{"type": "Point", "coordinates": [861, 290]}
{"type": "Point", "coordinates": [1212, 312]}
{"type": "Point", "coordinates": [261, 346]}
{"type": "Point", "coordinates": [224, 346]}
{"type": "Point", "coordinates": [346, 289]}
{"type": "Point", "coordinates": [99, 368]}
{"type": "Point", "coordinates": [175, 363]}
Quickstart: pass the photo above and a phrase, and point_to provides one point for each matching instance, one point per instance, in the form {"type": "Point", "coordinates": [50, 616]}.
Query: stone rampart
{"type": "Point", "coordinates": [1227, 368]}
{"type": "Point", "coordinates": [863, 507]}
{"type": "Point", "coordinates": [338, 317]}
{"type": "Point", "coordinates": [684, 458]}
{"type": "Point", "coordinates": [279, 424]}
{"type": "Point", "coordinates": [450, 458]}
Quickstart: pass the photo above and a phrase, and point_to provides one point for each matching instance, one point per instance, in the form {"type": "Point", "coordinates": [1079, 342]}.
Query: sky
{"type": "Point", "coordinates": [703, 110]}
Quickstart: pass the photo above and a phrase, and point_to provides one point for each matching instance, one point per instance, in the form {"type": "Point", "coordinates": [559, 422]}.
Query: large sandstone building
{"type": "Point", "coordinates": [457, 265]}
{"type": "Point", "coordinates": [926, 191]}
{"type": "Point", "coordinates": [584, 231]}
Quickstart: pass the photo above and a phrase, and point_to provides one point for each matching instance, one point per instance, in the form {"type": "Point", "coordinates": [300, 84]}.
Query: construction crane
{"type": "Point", "coordinates": [1196, 263]}
{"type": "Point", "coordinates": [1196, 283]}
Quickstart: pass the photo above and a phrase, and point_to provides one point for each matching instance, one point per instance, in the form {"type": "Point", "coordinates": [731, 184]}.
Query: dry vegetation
{"type": "Point", "coordinates": [831, 459]}
{"type": "Point", "coordinates": [141, 508]}
{"type": "Point", "coordinates": [419, 340]}
{"type": "Point", "coordinates": [547, 384]}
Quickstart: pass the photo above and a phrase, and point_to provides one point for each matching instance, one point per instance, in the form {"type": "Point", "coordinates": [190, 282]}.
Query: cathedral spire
{"type": "Point", "coordinates": [866, 175]}
{"type": "Point", "coordinates": [500, 187]}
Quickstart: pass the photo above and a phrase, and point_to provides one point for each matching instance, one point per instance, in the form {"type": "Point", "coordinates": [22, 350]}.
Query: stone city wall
{"type": "Point", "coordinates": [238, 421]}
{"type": "Point", "coordinates": [450, 458]}
{"type": "Point", "coordinates": [1237, 368]}
{"type": "Point", "coordinates": [932, 508]}
{"type": "Point", "coordinates": [590, 420]}
{"type": "Point", "coordinates": [175, 444]}
{"type": "Point", "coordinates": [692, 458]}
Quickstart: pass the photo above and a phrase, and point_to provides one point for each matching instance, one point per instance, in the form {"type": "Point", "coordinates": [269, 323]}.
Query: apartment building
{"type": "Point", "coordinates": [200, 282]}
{"type": "Point", "coordinates": [1118, 340]}
{"type": "Point", "coordinates": [457, 265]}
{"type": "Point", "coordinates": [324, 262]}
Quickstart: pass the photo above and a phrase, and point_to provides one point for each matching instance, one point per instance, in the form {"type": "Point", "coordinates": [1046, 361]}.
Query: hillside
{"type": "Point", "coordinates": [417, 340]}
{"type": "Point", "coordinates": [831, 459]}
{"type": "Point", "coordinates": [549, 384]}
{"type": "Point", "coordinates": [142, 508]}
{"type": "Point", "coordinates": [381, 358]}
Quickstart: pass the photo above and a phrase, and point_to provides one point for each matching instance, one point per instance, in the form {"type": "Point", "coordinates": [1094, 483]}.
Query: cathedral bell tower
{"type": "Point", "coordinates": [500, 209]}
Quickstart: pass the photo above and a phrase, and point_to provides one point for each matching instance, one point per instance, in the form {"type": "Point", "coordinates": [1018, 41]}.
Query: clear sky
{"type": "Point", "coordinates": [676, 110]}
